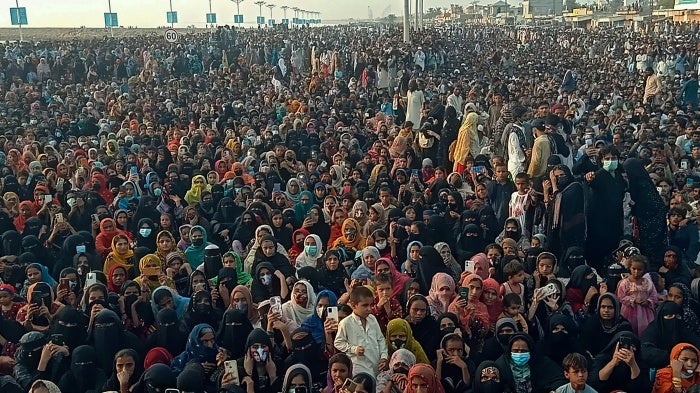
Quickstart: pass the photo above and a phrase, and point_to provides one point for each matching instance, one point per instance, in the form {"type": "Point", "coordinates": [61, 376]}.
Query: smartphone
{"type": "Point", "coordinates": [57, 339]}
{"type": "Point", "coordinates": [659, 190]}
{"type": "Point", "coordinates": [276, 187]}
{"type": "Point", "coordinates": [80, 249]}
{"type": "Point", "coordinates": [689, 181]}
{"type": "Point", "coordinates": [151, 271]}
{"type": "Point", "coordinates": [64, 283]}
{"type": "Point", "coordinates": [276, 304]}
{"type": "Point", "coordinates": [134, 170]}
{"type": "Point", "coordinates": [414, 173]}
{"type": "Point", "coordinates": [625, 342]}
{"type": "Point", "coordinates": [548, 290]}
{"type": "Point", "coordinates": [59, 217]}
{"type": "Point", "coordinates": [231, 367]}
{"type": "Point", "coordinates": [684, 165]}
{"type": "Point", "coordinates": [349, 385]}
{"type": "Point", "coordinates": [37, 300]}
{"type": "Point", "coordinates": [60, 182]}
{"type": "Point", "coordinates": [468, 266]}
{"type": "Point", "coordinates": [95, 218]}
{"type": "Point", "coordinates": [478, 169]}
{"type": "Point", "coordinates": [48, 198]}
{"type": "Point", "coordinates": [589, 142]}
{"type": "Point", "coordinates": [332, 313]}
{"type": "Point", "coordinates": [91, 279]}
{"type": "Point", "coordinates": [464, 293]}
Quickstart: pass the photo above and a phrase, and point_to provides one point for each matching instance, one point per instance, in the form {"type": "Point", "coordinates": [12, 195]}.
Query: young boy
{"type": "Point", "coordinates": [385, 308]}
{"type": "Point", "coordinates": [515, 273]}
{"type": "Point", "coordinates": [576, 371]}
{"type": "Point", "coordinates": [360, 337]}
{"type": "Point", "coordinates": [519, 200]}
{"type": "Point", "coordinates": [512, 303]}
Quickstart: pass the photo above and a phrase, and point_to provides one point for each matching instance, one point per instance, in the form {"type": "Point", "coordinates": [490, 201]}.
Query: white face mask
{"type": "Point", "coordinates": [380, 245]}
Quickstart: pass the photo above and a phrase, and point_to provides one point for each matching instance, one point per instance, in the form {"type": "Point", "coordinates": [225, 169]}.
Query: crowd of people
{"type": "Point", "coordinates": [484, 209]}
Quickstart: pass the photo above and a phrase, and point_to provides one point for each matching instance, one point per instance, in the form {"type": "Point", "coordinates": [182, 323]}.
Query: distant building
{"type": "Point", "coordinates": [542, 8]}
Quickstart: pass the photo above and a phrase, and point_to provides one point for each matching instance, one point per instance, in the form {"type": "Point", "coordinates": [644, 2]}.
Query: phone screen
{"type": "Point", "coordinates": [464, 293]}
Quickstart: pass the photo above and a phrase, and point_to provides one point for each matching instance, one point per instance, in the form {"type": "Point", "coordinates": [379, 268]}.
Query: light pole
{"type": "Point", "coordinates": [260, 4]}
{"type": "Point", "coordinates": [406, 21]}
{"type": "Point", "coordinates": [19, 19]}
{"type": "Point", "coordinates": [284, 11]}
{"type": "Point", "coordinates": [238, 8]}
{"type": "Point", "coordinates": [111, 22]}
{"type": "Point", "coordinates": [270, 6]}
{"type": "Point", "coordinates": [296, 14]}
{"type": "Point", "coordinates": [172, 20]}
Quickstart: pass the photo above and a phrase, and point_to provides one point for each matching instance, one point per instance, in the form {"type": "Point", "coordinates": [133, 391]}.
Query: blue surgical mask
{"type": "Point", "coordinates": [145, 232]}
{"type": "Point", "coordinates": [520, 358]}
{"type": "Point", "coordinates": [263, 354]}
{"type": "Point", "coordinates": [310, 250]}
{"type": "Point", "coordinates": [157, 192]}
{"type": "Point", "coordinates": [610, 165]}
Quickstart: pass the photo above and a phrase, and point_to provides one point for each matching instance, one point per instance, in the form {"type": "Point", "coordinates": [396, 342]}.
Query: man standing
{"type": "Point", "coordinates": [541, 150]}
{"type": "Point", "coordinates": [652, 87]}
{"type": "Point", "coordinates": [517, 145]}
{"type": "Point", "coordinates": [456, 101]}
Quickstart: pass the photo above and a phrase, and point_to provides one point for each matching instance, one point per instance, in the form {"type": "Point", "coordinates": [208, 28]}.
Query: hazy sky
{"type": "Point", "coordinates": [151, 13]}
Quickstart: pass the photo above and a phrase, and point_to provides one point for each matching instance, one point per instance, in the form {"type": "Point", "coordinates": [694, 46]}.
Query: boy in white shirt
{"type": "Point", "coordinates": [520, 199]}
{"type": "Point", "coordinates": [360, 337]}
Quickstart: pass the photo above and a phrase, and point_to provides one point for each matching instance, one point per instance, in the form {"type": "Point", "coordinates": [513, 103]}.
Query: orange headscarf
{"type": "Point", "coordinates": [20, 221]}
{"type": "Point", "coordinates": [664, 377]}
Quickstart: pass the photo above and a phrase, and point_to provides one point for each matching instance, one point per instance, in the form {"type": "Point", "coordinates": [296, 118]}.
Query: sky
{"type": "Point", "coordinates": [152, 13]}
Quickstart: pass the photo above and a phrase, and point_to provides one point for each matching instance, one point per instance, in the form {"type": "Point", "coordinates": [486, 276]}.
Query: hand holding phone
{"type": "Point", "coordinates": [464, 293]}
{"type": "Point", "coordinates": [332, 313]}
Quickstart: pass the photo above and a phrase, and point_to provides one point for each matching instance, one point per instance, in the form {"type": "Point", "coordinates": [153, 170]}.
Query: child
{"type": "Point", "coordinates": [385, 308]}
{"type": "Point", "coordinates": [515, 273]}
{"type": "Point", "coordinates": [576, 371]}
{"type": "Point", "coordinates": [519, 200]}
{"type": "Point", "coordinates": [660, 285]}
{"type": "Point", "coordinates": [360, 337]}
{"type": "Point", "coordinates": [512, 304]}
{"type": "Point", "coordinates": [637, 295]}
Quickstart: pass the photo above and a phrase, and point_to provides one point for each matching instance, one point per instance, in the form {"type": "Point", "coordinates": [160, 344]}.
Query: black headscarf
{"type": "Point", "coordinates": [84, 375]}
{"type": "Point", "coordinates": [488, 386]}
{"type": "Point", "coordinates": [234, 330]}
{"type": "Point", "coordinates": [72, 325]}
{"type": "Point", "coordinates": [201, 313]}
{"type": "Point", "coordinates": [108, 337]}
{"type": "Point", "coordinates": [156, 379]}
{"type": "Point", "coordinates": [431, 263]}
{"type": "Point", "coordinates": [169, 333]}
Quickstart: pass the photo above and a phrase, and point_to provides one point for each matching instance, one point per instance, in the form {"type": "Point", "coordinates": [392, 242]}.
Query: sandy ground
{"type": "Point", "coordinates": [43, 34]}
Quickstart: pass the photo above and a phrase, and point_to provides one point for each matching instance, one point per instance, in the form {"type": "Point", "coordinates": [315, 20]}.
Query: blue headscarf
{"type": "Point", "coordinates": [45, 276]}
{"type": "Point", "coordinates": [196, 351]}
{"type": "Point", "coordinates": [301, 209]}
{"type": "Point", "coordinates": [179, 302]}
{"type": "Point", "coordinates": [314, 322]}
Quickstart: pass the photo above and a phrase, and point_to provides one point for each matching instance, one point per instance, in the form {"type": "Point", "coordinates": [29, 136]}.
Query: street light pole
{"type": "Point", "coordinates": [111, 32]}
{"type": "Point", "coordinates": [238, 8]}
{"type": "Point", "coordinates": [296, 15]}
{"type": "Point", "coordinates": [260, 4]}
{"type": "Point", "coordinates": [270, 6]}
{"type": "Point", "coordinates": [19, 19]}
{"type": "Point", "coordinates": [172, 20]}
{"type": "Point", "coordinates": [284, 12]}
{"type": "Point", "coordinates": [406, 21]}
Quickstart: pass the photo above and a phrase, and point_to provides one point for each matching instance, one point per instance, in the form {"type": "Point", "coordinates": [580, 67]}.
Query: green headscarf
{"type": "Point", "coordinates": [244, 278]}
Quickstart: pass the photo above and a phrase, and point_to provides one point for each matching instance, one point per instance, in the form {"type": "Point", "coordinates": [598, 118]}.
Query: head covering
{"type": "Point", "coordinates": [398, 326]}
{"type": "Point", "coordinates": [244, 278]}
{"type": "Point", "coordinates": [234, 331]}
{"type": "Point", "coordinates": [427, 374]}
{"type": "Point", "coordinates": [252, 313]}
{"type": "Point", "coordinates": [157, 355]}
{"type": "Point", "coordinates": [315, 321]}
{"type": "Point", "coordinates": [296, 312]}
{"type": "Point", "coordinates": [440, 280]}
{"type": "Point", "coordinates": [398, 279]}
{"type": "Point", "coordinates": [196, 350]}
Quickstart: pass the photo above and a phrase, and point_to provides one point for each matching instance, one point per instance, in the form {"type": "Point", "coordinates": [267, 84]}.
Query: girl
{"type": "Point", "coordinates": [681, 373]}
{"type": "Point", "coordinates": [637, 295]}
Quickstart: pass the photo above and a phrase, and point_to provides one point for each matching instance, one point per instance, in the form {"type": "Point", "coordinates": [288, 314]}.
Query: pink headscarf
{"type": "Point", "coordinates": [397, 278]}
{"type": "Point", "coordinates": [440, 280]}
{"type": "Point", "coordinates": [481, 265]}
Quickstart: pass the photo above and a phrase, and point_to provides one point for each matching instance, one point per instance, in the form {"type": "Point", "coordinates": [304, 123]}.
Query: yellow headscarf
{"type": "Point", "coordinates": [194, 195]}
{"type": "Point", "coordinates": [462, 145]}
{"type": "Point", "coordinates": [115, 258]}
{"type": "Point", "coordinates": [398, 326]}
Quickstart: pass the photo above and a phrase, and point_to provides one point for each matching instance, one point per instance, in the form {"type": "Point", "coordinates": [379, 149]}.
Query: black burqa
{"type": "Point", "coordinates": [72, 324]}
{"type": "Point", "coordinates": [84, 375]}
{"type": "Point", "coordinates": [108, 336]}
{"type": "Point", "coordinates": [650, 211]}
{"type": "Point", "coordinates": [663, 333]}
{"type": "Point", "coordinates": [234, 330]}
{"type": "Point", "coordinates": [566, 221]}
{"type": "Point", "coordinates": [169, 333]}
{"type": "Point", "coordinates": [430, 263]}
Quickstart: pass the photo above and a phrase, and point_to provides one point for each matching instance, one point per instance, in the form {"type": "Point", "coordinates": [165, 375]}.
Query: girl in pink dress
{"type": "Point", "coordinates": [637, 295]}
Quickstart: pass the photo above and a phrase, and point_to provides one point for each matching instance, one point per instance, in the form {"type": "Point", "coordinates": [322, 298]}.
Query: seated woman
{"type": "Point", "coordinates": [616, 366]}
{"type": "Point", "coordinates": [40, 309]}
{"type": "Point", "coordinates": [487, 378]}
{"type": "Point", "coordinates": [120, 255]}
{"type": "Point", "coordinates": [126, 363]}
{"type": "Point", "coordinates": [300, 306]}
{"type": "Point", "coordinates": [268, 282]}
{"type": "Point", "coordinates": [399, 335]}
{"type": "Point", "coordinates": [663, 333]}
{"type": "Point", "coordinates": [454, 368]}
{"type": "Point", "coordinates": [201, 348]}
{"type": "Point", "coordinates": [681, 373]}
{"type": "Point", "coordinates": [599, 328]}
{"type": "Point", "coordinates": [395, 379]}
{"type": "Point", "coordinates": [339, 369]}
{"type": "Point", "coordinates": [297, 376]}
{"type": "Point", "coordinates": [523, 370]}
{"type": "Point", "coordinates": [423, 378]}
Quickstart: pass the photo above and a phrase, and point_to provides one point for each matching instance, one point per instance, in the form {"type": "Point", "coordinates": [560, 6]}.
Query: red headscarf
{"type": "Point", "coordinates": [497, 307]}
{"type": "Point", "coordinates": [428, 375]}
{"type": "Point", "coordinates": [397, 278]}
{"type": "Point", "coordinates": [20, 221]}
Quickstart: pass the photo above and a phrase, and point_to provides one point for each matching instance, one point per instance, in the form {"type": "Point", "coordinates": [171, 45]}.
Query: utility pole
{"type": "Point", "coordinates": [406, 21]}
{"type": "Point", "coordinates": [260, 4]}
{"type": "Point", "coordinates": [238, 8]}
{"type": "Point", "coordinates": [172, 21]}
{"type": "Point", "coordinates": [284, 12]}
{"type": "Point", "coordinates": [296, 15]}
{"type": "Point", "coordinates": [420, 12]}
{"type": "Point", "coordinates": [109, 4]}
{"type": "Point", "coordinates": [271, 6]}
